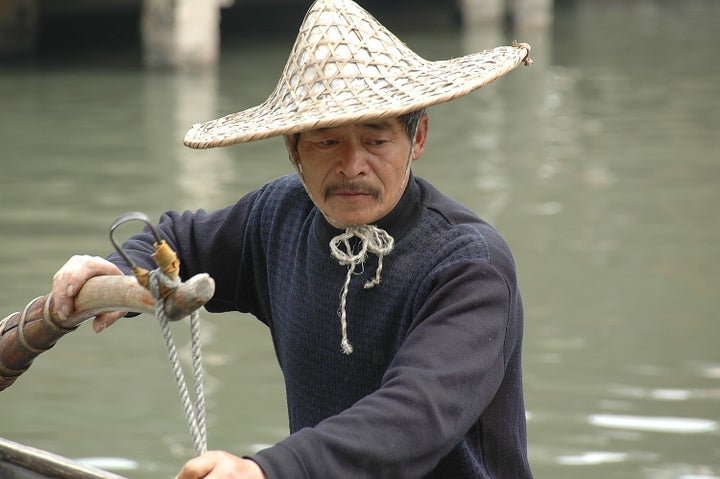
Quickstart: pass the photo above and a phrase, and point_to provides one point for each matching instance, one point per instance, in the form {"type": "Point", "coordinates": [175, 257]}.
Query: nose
{"type": "Point", "coordinates": [353, 161]}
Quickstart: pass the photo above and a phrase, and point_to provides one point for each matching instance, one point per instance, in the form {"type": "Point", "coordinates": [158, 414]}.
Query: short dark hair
{"type": "Point", "coordinates": [410, 122]}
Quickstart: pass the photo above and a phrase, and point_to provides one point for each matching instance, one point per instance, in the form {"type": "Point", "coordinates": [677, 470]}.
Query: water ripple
{"type": "Point", "coordinates": [592, 458]}
{"type": "Point", "coordinates": [679, 425]}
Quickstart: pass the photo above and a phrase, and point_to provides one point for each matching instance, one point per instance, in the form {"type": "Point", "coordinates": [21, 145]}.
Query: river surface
{"type": "Point", "coordinates": [600, 165]}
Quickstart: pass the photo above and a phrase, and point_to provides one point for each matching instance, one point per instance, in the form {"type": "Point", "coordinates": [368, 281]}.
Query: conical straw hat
{"type": "Point", "coordinates": [346, 67]}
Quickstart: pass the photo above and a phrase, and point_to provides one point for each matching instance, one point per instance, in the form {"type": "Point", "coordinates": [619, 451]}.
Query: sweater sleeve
{"type": "Point", "coordinates": [445, 374]}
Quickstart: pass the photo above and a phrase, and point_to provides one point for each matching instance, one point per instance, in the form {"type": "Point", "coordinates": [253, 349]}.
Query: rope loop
{"type": "Point", "coordinates": [161, 282]}
{"type": "Point", "coordinates": [3, 323]}
{"type": "Point", "coordinates": [195, 414]}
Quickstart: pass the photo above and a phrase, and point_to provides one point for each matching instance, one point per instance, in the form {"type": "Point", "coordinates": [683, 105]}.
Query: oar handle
{"type": "Point", "coordinates": [26, 334]}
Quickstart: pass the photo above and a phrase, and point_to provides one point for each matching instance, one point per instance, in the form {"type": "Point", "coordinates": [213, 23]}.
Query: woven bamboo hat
{"type": "Point", "coordinates": [346, 67]}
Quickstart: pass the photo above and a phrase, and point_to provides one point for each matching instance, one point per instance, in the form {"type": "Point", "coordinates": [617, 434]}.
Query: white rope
{"type": "Point", "coordinates": [372, 239]}
{"type": "Point", "coordinates": [194, 414]}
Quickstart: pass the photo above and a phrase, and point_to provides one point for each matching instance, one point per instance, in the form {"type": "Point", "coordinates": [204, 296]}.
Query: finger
{"type": "Point", "coordinates": [65, 287]}
{"type": "Point", "coordinates": [70, 278]}
{"type": "Point", "coordinates": [104, 320]}
{"type": "Point", "coordinates": [198, 467]}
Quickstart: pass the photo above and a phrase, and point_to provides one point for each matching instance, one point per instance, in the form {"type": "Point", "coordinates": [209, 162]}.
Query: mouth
{"type": "Point", "coordinates": [351, 194]}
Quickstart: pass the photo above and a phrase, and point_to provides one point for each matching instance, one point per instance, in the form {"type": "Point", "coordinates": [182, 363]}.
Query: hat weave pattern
{"type": "Point", "coordinates": [346, 67]}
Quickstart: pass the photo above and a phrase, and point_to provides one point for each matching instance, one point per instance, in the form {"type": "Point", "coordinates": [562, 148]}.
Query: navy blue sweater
{"type": "Point", "coordinates": [433, 388]}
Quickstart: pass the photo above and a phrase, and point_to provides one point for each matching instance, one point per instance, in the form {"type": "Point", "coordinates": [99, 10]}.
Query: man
{"type": "Point", "coordinates": [394, 311]}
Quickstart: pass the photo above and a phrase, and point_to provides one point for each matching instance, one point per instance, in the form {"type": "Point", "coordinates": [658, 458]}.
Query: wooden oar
{"type": "Point", "coordinates": [20, 461]}
{"type": "Point", "coordinates": [26, 334]}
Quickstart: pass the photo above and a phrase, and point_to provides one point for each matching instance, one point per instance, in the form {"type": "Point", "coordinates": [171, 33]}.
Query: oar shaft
{"type": "Point", "coordinates": [24, 335]}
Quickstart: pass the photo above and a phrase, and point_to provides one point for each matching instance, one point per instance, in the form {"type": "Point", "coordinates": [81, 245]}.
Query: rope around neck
{"type": "Point", "coordinates": [373, 240]}
{"type": "Point", "coordinates": [194, 414]}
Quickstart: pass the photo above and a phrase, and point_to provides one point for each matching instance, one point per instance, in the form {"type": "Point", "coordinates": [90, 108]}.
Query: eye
{"type": "Point", "coordinates": [328, 142]}
{"type": "Point", "coordinates": [376, 142]}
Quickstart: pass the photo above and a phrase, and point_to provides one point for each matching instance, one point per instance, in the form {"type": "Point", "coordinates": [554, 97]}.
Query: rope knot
{"type": "Point", "coordinates": [372, 240]}
{"type": "Point", "coordinates": [157, 280]}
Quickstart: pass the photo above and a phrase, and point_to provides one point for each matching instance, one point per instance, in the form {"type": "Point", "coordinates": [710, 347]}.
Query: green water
{"type": "Point", "coordinates": [599, 165]}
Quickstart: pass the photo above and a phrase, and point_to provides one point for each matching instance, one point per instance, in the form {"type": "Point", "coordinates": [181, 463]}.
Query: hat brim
{"type": "Point", "coordinates": [436, 82]}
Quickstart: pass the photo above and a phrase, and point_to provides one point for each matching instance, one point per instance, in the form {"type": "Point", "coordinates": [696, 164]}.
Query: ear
{"type": "Point", "coordinates": [293, 154]}
{"type": "Point", "coordinates": [420, 137]}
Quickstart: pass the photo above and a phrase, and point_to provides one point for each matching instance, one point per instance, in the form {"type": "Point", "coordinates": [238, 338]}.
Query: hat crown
{"type": "Point", "coordinates": [341, 49]}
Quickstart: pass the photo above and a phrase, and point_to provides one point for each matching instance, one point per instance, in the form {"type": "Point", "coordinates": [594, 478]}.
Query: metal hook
{"type": "Point", "coordinates": [134, 215]}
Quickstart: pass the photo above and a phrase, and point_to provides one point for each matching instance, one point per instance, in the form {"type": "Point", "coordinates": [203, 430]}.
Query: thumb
{"type": "Point", "coordinates": [103, 320]}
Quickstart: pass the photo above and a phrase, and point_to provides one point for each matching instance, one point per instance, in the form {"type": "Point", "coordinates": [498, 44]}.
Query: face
{"type": "Point", "coordinates": [357, 173]}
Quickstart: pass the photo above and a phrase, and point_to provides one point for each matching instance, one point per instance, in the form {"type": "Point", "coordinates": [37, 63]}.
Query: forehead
{"type": "Point", "coordinates": [385, 124]}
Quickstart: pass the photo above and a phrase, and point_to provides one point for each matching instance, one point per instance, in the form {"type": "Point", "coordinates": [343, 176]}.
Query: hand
{"type": "Point", "coordinates": [220, 465]}
{"type": "Point", "coordinates": [69, 279]}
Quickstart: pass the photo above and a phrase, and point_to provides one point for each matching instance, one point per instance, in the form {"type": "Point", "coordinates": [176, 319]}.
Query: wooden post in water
{"type": "Point", "coordinates": [525, 13]}
{"type": "Point", "coordinates": [181, 34]}
{"type": "Point", "coordinates": [531, 13]}
{"type": "Point", "coordinates": [18, 27]}
{"type": "Point", "coordinates": [482, 12]}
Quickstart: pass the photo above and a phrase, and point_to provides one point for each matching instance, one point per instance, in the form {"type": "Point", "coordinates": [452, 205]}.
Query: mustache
{"type": "Point", "coordinates": [354, 186]}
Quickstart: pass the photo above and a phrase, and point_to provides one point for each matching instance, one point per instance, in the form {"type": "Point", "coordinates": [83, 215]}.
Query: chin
{"type": "Point", "coordinates": [346, 221]}
{"type": "Point", "coordinates": [345, 217]}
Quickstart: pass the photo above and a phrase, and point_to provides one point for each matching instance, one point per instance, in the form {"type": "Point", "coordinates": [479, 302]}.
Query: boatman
{"type": "Point", "coordinates": [394, 311]}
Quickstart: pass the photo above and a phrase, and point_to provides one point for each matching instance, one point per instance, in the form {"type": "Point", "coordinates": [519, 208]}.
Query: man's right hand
{"type": "Point", "coordinates": [70, 279]}
{"type": "Point", "coordinates": [220, 465]}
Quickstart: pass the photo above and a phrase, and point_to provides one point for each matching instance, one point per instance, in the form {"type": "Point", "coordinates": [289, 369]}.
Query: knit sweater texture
{"type": "Point", "coordinates": [433, 388]}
